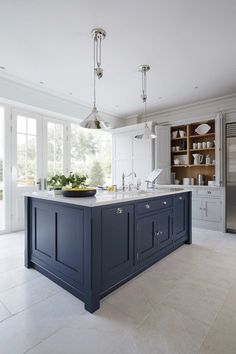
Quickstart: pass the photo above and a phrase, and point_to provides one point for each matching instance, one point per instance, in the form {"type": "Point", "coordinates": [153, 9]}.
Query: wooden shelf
{"type": "Point", "coordinates": [205, 149]}
{"type": "Point", "coordinates": [174, 139]}
{"type": "Point", "coordinates": [193, 165]}
{"type": "Point", "coordinates": [202, 136]}
{"type": "Point", "coordinates": [177, 152]}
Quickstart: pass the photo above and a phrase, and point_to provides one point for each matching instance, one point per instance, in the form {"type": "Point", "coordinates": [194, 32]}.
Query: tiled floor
{"type": "Point", "coordinates": [185, 304]}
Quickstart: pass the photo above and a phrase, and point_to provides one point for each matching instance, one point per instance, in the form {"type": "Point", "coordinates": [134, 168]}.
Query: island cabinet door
{"type": "Point", "coordinates": [146, 240]}
{"type": "Point", "coordinates": [180, 217]}
{"type": "Point", "coordinates": [164, 229]}
{"type": "Point", "coordinates": [117, 244]}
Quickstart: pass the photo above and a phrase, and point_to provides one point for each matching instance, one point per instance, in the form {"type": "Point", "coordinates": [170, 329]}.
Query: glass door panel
{"type": "Point", "coordinates": [27, 162]}
{"type": "Point", "coordinates": [55, 148]}
{"type": "Point", "coordinates": [2, 189]}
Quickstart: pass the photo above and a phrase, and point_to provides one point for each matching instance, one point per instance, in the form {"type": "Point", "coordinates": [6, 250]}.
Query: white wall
{"type": "Point", "coordinates": [24, 96]}
{"type": "Point", "coordinates": [197, 111]}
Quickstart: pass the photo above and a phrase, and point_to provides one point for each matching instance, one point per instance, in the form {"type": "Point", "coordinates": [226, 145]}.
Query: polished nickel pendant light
{"type": "Point", "coordinates": [93, 120]}
{"type": "Point", "coordinates": [147, 131]}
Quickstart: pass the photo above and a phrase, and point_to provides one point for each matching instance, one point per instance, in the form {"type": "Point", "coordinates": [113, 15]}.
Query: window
{"type": "Point", "coordinates": [55, 148]}
{"type": "Point", "coordinates": [26, 151]}
{"type": "Point", "coordinates": [91, 154]}
{"type": "Point", "coordinates": [2, 209]}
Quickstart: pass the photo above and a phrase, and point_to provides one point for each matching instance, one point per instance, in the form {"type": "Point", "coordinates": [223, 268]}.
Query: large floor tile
{"type": "Point", "coordinates": [11, 262]}
{"type": "Point", "coordinates": [165, 331]}
{"type": "Point", "coordinates": [197, 299]}
{"type": "Point", "coordinates": [26, 329]}
{"type": "Point", "coordinates": [132, 299]}
{"type": "Point", "coordinates": [23, 296]}
{"type": "Point", "coordinates": [98, 333]}
{"type": "Point", "coordinates": [4, 312]}
{"type": "Point", "coordinates": [16, 277]}
{"type": "Point", "coordinates": [221, 338]}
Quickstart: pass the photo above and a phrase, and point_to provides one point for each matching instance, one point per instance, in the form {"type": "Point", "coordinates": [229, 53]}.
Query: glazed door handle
{"type": "Point", "coordinates": [180, 198]}
{"type": "Point", "coordinates": [165, 202]}
{"type": "Point", "coordinates": [147, 206]}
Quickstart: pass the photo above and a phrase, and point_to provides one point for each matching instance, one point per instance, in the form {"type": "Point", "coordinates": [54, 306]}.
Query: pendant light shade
{"type": "Point", "coordinates": [93, 120]}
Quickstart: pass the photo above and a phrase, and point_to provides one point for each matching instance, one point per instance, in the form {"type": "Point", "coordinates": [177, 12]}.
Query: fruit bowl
{"type": "Point", "coordinates": [79, 192]}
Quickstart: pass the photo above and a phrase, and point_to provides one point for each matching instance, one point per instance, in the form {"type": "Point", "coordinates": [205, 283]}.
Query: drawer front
{"type": "Point", "coordinates": [153, 205]}
{"type": "Point", "coordinates": [209, 192]}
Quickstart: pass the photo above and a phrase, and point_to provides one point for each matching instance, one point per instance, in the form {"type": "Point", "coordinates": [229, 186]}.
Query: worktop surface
{"type": "Point", "coordinates": [106, 198]}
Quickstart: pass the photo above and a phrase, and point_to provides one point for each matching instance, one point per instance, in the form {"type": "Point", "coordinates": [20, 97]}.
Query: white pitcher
{"type": "Point", "coordinates": [198, 159]}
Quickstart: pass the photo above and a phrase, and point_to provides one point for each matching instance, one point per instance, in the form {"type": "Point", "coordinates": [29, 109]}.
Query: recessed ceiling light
{"type": "Point", "coordinates": [196, 87]}
{"type": "Point", "coordinates": [116, 105]}
{"type": "Point", "coordinates": [41, 82]}
{"type": "Point", "coordinates": [160, 98]}
{"type": "Point", "coordinates": [2, 67]}
{"type": "Point", "coordinates": [70, 93]}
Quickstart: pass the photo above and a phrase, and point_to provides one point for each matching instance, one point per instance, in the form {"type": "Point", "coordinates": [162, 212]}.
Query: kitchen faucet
{"type": "Point", "coordinates": [123, 178]}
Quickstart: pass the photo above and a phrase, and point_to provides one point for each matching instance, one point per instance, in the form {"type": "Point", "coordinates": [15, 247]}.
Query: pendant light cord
{"type": "Point", "coordinates": [94, 72]}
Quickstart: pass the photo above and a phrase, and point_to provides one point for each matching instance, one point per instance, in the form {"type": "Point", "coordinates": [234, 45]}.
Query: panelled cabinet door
{"type": "Point", "coordinates": [180, 216]}
{"type": "Point", "coordinates": [146, 240]}
{"type": "Point", "coordinates": [211, 209]}
{"type": "Point", "coordinates": [164, 229]}
{"type": "Point", "coordinates": [117, 243]}
{"type": "Point", "coordinates": [162, 153]}
{"type": "Point", "coordinates": [197, 208]}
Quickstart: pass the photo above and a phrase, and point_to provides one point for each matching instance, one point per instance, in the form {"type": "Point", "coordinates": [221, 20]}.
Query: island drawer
{"type": "Point", "coordinates": [152, 205]}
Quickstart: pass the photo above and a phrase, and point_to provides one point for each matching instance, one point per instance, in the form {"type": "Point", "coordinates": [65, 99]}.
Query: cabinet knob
{"type": "Point", "coordinates": [164, 202]}
{"type": "Point", "coordinates": [119, 211]}
{"type": "Point", "coordinates": [180, 198]}
{"type": "Point", "coordinates": [147, 206]}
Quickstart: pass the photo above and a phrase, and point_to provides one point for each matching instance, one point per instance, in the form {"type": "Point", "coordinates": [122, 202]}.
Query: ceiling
{"type": "Point", "coordinates": [189, 44]}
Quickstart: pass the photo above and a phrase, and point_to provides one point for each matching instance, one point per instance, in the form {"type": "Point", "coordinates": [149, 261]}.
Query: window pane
{"type": "Point", "coordinates": [26, 153]}
{"type": "Point", "coordinates": [55, 148]}
{"type": "Point", "coordinates": [31, 126]}
{"type": "Point", "coordinates": [91, 154]}
{"type": "Point", "coordinates": [21, 124]}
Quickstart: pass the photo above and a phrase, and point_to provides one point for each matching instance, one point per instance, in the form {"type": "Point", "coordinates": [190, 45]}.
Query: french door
{"type": "Point", "coordinates": [38, 151]}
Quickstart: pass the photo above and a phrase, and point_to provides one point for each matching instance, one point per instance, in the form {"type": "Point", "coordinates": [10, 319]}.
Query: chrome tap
{"type": "Point", "coordinates": [123, 178]}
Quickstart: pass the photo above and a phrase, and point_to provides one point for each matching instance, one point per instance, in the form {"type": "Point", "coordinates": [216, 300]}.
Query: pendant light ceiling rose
{"type": "Point", "coordinates": [144, 67]}
{"type": "Point", "coordinates": [98, 33]}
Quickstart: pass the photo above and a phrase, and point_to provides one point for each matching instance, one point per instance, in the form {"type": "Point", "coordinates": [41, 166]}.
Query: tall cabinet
{"type": "Point", "coordinates": [131, 153]}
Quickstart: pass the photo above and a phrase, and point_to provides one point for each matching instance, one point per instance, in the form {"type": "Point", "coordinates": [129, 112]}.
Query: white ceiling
{"type": "Point", "coordinates": [188, 43]}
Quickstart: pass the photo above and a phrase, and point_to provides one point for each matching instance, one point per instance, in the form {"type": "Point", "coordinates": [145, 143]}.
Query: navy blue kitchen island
{"type": "Point", "coordinates": [91, 246]}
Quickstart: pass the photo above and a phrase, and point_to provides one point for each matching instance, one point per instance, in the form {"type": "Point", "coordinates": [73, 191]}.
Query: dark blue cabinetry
{"type": "Point", "coordinates": [92, 251]}
{"type": "Point", "coordinates": [117, 243]}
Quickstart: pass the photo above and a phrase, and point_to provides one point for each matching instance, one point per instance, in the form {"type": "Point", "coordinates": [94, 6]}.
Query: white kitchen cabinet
{"type": "Point", "coordinates": [207, 208]}
{"type": "Point", "coordinates": [131, 154]}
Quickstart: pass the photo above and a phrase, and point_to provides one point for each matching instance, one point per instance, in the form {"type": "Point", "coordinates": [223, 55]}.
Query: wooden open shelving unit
{"type": "Point", "coordinates": [187, 168]}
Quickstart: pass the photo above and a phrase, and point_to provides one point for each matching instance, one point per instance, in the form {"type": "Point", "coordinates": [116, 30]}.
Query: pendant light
{"type": "Point", "coordinates": [93, 120]}
{"type": "Point", "coordinates": [147, 131]}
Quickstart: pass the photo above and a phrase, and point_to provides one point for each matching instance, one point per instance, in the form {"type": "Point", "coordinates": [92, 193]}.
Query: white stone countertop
{"type": "Point", "coordinates": [106, 198]}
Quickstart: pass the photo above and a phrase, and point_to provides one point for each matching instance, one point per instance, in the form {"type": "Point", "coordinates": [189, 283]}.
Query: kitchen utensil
{"type": "Point", "coordinates": [208, 160]}
{"type": "Point", "coordinates": [79, 193]}
{"type": "Point", "coordinates": [200, 179]}
{"type": "Point", "coordinates": [198, 159]}
{"type": "Point", "coordinates": [209, 144]}
{"type": "Point", "coordinates": [173, 174]}
{"type": "Point", "coordinates": [204, 145]}
{"type": "Point", "coordinates": [182, 158]}
{"type": "Point", "coordinates": [177, 148]}
{"type": "Point", "coordinates": [203, 129]}
{"type": "Point", "coordinates": [188, 181]}
{"type": "Point", "coordinates": [194, 146]}
{"type": "Point", "coordinates": [174, 134]}
{"type": "Point", "coordinates": [182, 133]}
{"type": "Point", "coordinates": [176, 161]}
{"type": "Point", "coordinates": [176, 181]}
{"type": "Point", "coordinates": [199, 145]}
